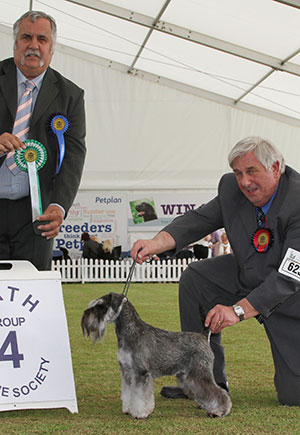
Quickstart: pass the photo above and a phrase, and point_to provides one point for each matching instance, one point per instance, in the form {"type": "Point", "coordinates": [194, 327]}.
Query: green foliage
{"type": "Point", "coordinates": [249, 369]}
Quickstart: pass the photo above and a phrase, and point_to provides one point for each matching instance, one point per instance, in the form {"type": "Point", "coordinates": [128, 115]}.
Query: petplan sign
{"type": "Point", "coordinates": [103, 214]}
{"type": "Point", "coordinates": [35, 359]}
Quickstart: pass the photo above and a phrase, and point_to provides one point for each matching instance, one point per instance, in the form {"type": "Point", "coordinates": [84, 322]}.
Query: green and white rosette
{"type": "Point", "coordinates": [31, 160]}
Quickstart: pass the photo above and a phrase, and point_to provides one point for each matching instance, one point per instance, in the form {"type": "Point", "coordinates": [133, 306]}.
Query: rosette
{"type": "Point", "coordinates": [31, 159]}
{"type": "Point", "coordinates": [262, 239]}
{"type": "Point", "coordinates": [59, 125]}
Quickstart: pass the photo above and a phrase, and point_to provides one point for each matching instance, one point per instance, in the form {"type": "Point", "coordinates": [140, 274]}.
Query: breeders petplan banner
{"type": "Point", "coordinates": [151, 212]}
{"type": "Point", "coordinates": [103, 214]}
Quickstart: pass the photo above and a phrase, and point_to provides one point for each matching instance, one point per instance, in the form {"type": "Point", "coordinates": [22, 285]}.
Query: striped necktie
{"type": "Point", "coordinates": [21, 125]}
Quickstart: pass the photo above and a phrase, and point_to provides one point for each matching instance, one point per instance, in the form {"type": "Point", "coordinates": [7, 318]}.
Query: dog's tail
{"type": "Point", "coordinates": [205, 331]}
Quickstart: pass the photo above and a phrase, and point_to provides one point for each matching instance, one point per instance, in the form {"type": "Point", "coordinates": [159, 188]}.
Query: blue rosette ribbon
{"type": "Point", "coordinates": [59, 125]}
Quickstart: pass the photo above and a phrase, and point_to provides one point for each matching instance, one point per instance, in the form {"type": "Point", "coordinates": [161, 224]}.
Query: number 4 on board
{"type": "Point", "coordinates": [14, 356]}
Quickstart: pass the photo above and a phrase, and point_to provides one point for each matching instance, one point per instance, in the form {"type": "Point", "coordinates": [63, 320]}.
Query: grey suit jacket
{"type": "Point", "coordinates": [247, 272]}
{"type": "Point", "coordinates": [57, 95]}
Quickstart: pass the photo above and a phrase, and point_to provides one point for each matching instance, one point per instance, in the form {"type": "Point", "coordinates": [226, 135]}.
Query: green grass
{"type": "Point", "coordinates": [249, 369]}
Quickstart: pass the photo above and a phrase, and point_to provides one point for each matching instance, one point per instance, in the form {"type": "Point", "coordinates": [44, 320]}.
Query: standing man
{"type": "Point", "coordinates": [259, 207]}
{"type": "Point", "coordinates": [38, 104]}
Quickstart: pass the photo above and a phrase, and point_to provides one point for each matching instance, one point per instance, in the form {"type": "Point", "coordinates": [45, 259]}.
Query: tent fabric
{"type": "Point", "coordinates": [143, 133]}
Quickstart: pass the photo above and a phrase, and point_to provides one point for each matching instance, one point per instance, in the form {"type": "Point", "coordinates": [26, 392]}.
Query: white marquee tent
{"type": "Point", "coordinates": [172, 85]}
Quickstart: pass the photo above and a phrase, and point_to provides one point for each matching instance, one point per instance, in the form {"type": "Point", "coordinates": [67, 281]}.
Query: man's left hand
{"type": "Point", "coordinates": [54, 215]}
{"type": "Point", "coordinates": [219, 317]}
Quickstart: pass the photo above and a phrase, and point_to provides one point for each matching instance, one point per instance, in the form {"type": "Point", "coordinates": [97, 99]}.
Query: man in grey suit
{"type": "Point", "coordinates": [259, 207]}
{"type": "Point", "coordinates": [53, 95]}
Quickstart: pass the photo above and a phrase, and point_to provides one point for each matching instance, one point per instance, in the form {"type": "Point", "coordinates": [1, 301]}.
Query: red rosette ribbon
{"type": "Point", "coordinates": [262, 239]}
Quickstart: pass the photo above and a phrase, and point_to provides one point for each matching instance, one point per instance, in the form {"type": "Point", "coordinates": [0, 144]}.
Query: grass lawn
{"type": "Point", "coordinates": [249, 368]}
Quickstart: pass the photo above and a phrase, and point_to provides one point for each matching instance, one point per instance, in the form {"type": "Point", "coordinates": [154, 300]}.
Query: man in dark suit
{"type": "Point", "coordinates": [53, 94]}
{"type": "Point", "coordinates": [259, 207]}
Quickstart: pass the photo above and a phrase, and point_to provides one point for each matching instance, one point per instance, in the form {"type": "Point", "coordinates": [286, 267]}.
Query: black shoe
{"type": "Point", "coordinates": [224, 385]}
{"type": "Point", "coordinates": [173, 393]}
{"type": "Point", "coordinates": [177, 393]}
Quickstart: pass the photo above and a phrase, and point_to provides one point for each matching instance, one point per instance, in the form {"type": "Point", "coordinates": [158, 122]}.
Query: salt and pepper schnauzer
{"type": "Point", "coordinates": [146, 352]}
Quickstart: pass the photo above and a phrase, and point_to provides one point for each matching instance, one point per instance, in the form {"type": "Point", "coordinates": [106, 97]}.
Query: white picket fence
{"type": "Point", "coordinates": [83, 270]}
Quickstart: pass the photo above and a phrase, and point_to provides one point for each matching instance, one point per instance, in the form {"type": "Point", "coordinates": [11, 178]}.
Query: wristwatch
{"type": "Point", "coordinates": [239, 311]}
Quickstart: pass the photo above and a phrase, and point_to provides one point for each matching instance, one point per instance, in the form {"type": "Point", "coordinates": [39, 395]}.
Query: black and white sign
{"type": "Point", "coordinates": [35, 358]}
{"type": "Point", "coordinates": [290, 265]}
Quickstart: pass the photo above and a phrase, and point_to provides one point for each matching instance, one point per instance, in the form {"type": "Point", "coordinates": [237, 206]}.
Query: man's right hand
{"type": "Point", "coordinates": [9, 142]}
{"type": "Point", "coordinates": [142, 249]}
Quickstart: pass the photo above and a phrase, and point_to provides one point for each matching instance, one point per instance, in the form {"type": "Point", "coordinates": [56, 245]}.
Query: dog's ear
{"type": "Point", "coordinates": [104, 301]}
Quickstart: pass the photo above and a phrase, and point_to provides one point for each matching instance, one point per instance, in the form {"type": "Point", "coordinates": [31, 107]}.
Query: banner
{"type": "Point", "coordinates": [35, 358]}
{"type": "Point", "coordinates": [113, 215]}
{"type": "Point", "coordinates": [103, 214]}
{"type": "Point", "coordinates": [152, 212]}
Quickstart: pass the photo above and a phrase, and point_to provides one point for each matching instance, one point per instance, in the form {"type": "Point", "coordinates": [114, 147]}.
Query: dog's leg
{"type": "Point", "coordinates": [126, 391]}
{"type": "Point", "coordinates": [137, 389]}
{"type": "Point", "coordinates": [142, 403]}
{"type": "Point", "coordinates": [206, 393]}
{"type": "Point", "coordinates": [125, 363]}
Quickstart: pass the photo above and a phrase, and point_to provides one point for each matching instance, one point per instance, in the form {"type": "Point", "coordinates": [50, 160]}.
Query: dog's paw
{"type": "Point", "coordinates": [212, 415]}
{"type": "Point", "coordinates": [140, 415]}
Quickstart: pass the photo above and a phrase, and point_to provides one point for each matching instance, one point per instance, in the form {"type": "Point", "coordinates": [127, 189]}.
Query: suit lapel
{"type": "Point", "coordinates": [47, 94]}
{"type": "Point", "coordinates": [8, 86]}
{"type": "Point", "coordinates": [247, 214]}
{"type": "Point", "coordinates": [277, 201]}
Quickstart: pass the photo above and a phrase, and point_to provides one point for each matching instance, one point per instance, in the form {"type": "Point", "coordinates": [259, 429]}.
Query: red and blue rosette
{"type": "Point", "coordinates": [59, 124]}
{"type": "Point", "coordinates": [262, 239]}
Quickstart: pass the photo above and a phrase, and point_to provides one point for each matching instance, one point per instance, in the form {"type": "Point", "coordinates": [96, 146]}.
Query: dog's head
{"type": "Point", "coordinates": [145, 208]}
{"type": "Point", "coordinates": [100, 312]}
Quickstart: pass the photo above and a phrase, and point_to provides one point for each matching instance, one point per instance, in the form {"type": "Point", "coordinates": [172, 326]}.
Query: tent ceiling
{"type": "Point", "coordinates": [241, 52]}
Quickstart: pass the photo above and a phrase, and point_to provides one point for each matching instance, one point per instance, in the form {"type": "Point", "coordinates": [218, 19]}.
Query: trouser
{"type": "Point", "coordinates": [197, 290]}
{"type": "Point", "coordinates": [17, 238]}
{"type": "Point", "coordinates": [282, 329]}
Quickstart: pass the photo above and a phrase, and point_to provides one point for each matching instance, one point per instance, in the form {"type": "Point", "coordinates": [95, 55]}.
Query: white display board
{"type": "Point", "coordinates": [35, 359]}
{"type": "Point", "coordinates": [99, 213]}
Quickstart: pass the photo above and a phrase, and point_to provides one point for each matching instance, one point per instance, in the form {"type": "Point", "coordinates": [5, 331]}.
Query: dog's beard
{"type": "Point", "coordinates": [98, 333]}
{"type": "Point", "coordinates": [93, 324]}
{"type": "Point", "coordinates": [31, 52]}
{"type": "Point", "coordinates": [92, 327]}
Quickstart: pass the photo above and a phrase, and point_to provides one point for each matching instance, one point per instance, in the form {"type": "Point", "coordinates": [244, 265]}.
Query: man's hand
{"type": "Point", "coordinates": [221, 316]}
{"type": "Point", "coordinates": [54, 215]}
{"type": "Point", "coordinates": [9, 142]}
{"type": "Point", "coordinates": [144, 249]}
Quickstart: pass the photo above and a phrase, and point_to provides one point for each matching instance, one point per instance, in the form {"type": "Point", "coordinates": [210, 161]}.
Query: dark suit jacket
{"type": "Point", "coordinates": [57, 95]}
{"type": "Point", "coordinates": [247, 272]}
